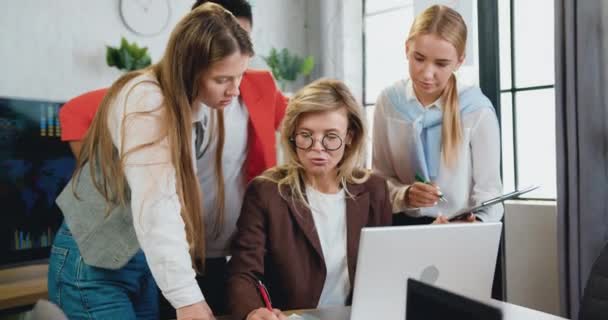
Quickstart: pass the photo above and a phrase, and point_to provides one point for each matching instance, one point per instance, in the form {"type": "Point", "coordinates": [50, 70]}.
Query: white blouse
{"type": "Point", "coordinates": [236, 120]}
{"type": "Point", "coordinates": [472, 179]}
{"type": "Point", "coordinates": [329, 215]}
{"type": "Point", "coordinates": [155, 204]}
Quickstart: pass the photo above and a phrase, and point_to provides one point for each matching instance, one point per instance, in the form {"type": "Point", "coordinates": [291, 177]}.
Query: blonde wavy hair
{"type": "Point", "coordinates": [203, 37]}
{"type": "Point", "coordinates": [320, 96]}
{"type": "Point", "coordinates": [448, 25]}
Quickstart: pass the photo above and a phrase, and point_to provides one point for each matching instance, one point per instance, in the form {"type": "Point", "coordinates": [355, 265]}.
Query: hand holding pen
{"type": "Point", "coordinates": [265, 295]}
{"type": "Point", "coordinates": [423, 193]}
{"type": "Point", "coordinates": [267, 313]}
{"type": "Point", "coordinates": [439, 193]}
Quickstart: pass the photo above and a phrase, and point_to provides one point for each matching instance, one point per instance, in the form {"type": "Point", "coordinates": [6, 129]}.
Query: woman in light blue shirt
{"type": "Point", "coordinates": [436, 139]}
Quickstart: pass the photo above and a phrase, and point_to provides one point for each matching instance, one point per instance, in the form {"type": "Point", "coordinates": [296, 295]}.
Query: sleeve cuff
{"type": "Point", "coordinates": [400, 206]}
{"type": "Point", "coordinates": [185, 296]}
{"type": "Point", "coordinates": [399, 200]}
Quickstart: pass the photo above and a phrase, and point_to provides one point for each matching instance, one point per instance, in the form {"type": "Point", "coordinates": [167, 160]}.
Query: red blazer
{"type": "Point", "coordinates": [276, 240]}
{"type": "Point", "coordinates": [265, 104]}
{"type": "Point", "coordinates": [76, 115]}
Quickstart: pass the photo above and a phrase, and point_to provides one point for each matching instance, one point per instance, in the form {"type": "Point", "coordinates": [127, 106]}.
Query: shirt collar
{"type": "Point", "coordinates": [201, 111]}
{"type": "Point", "coordinates": [198, 112]}
{"type": "Point", "coordinates": [411, 96]}
{"type": "Point", "coordinates": [462, 83]}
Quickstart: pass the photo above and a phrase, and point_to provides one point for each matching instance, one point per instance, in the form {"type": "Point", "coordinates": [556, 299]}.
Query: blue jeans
{"type": "Point", "coordinates": [87, 292]}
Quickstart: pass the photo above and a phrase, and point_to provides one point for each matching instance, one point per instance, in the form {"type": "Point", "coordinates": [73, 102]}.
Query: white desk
{"type": "Point", "coordinates": [510, 312]}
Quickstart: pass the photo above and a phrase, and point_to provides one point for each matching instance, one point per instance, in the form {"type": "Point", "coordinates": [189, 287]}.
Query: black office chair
{"type": "Point", "coordinates": [595, 298]}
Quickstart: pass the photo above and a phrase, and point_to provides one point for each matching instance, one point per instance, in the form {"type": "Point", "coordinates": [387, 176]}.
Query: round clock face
{"type": "Point", "coordinates": [145, 17]}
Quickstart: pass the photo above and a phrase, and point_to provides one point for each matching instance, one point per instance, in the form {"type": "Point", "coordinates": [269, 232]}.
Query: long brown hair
{"type": "Point", "coordinates": [448, 25]}
{"type": "Point", "coordinates": [205, 36]}
{"type": "Point", "coordinates": [320, 96]}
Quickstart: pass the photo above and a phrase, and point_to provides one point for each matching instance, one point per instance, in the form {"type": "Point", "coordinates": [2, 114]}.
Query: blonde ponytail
{"type": "Point", "coordinates": [451, 129]}
{"type": "Point", "coordinates": [448, 25]}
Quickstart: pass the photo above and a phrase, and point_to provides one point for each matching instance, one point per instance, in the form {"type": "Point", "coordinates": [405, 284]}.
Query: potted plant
{"type": "Point", "coordinates": [128, 57]}
{"type": "Point", "coordinates": [286, 67]}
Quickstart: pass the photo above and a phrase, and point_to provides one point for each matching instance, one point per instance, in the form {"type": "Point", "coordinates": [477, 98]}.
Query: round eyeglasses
{"type": "Point", "coordinates": [305, 141]}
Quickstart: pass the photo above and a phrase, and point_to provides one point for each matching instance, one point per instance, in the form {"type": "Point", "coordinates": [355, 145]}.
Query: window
{"type": "Point", "coordinates": [384, 47]}
{"type": "Point", "coordinates": [384, 61]}
{"type": "Point", "coordinates": [527, 95]}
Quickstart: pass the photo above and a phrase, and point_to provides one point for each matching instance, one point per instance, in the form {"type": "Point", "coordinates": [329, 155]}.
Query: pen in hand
{"type": "Point", "coordinates": [419, 178]}
{"type": "Point", "coordinates": [264, 294]}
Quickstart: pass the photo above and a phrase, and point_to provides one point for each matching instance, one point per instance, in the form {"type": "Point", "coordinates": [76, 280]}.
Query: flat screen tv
{"type": "Point", "coordinates": [34, 167]}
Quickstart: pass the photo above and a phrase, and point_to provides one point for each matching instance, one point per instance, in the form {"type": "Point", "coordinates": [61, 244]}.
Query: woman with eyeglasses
{"type": "Point", "coordinates": [299, 227]}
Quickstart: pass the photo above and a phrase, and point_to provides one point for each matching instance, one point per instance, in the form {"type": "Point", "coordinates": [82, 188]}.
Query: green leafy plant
{"type": "Point", "coordinates": [286, 67]}
{"type": "Point", "coordinates": [128, 57]}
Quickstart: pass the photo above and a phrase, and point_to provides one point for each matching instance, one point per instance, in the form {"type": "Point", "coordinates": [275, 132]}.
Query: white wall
{"type": "Point", "coordinates": [55, 50]}
{"type": "Point", "coordinates": [279, 24]}
{"type": "Point", "coordinates": [531, 255]}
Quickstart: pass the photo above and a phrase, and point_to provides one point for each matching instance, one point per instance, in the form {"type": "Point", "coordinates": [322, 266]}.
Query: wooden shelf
{"type": "Point", "coordinates": [23, 286]}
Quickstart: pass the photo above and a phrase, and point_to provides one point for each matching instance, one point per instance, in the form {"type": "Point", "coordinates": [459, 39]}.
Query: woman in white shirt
{"type": "Point", "coordinates": [435, 139]}
{"type": "Point", "coordinates": [133, 211]}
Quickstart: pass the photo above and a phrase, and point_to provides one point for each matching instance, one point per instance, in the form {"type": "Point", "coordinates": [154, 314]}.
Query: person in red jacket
{"type": "Point", "coordinates": [76, 115]}
{"type": "Point", "coordinates": [242, 147]}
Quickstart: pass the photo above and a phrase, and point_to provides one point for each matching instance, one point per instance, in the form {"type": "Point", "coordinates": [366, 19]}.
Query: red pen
{"type": "Point", "coordinates": [265, 295]}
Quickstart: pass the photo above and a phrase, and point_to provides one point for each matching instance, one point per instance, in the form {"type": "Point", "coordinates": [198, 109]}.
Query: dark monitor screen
{"type": "Point", "coordinates": [427, 302]}
{"type": "Point", "coordinates": [35, 165]}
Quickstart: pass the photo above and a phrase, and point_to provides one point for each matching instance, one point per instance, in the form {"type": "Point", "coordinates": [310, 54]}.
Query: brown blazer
{"type": "Point", "coordinates": [276, 241]}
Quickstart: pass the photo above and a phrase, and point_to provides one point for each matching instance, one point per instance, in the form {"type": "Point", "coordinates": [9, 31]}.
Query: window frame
{"type": "Point", "coordinates": [513, 89]}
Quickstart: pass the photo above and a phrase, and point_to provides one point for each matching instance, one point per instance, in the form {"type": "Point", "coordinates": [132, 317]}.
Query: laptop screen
{"type": "Point", "coordinates": [427, 302]}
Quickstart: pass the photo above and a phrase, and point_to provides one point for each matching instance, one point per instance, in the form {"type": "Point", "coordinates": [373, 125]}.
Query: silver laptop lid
{"type": "Point", "coordinates": [459, 257]}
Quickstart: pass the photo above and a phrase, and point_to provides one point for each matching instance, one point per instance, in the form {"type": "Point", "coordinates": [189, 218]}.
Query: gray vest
{"type": "Point", "coordinates": [105, 240]}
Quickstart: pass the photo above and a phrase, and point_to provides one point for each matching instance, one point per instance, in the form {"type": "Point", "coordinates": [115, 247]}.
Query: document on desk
{"type": "Point", "coordinates": [302, 317]}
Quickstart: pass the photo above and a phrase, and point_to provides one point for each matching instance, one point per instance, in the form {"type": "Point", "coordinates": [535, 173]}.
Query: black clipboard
{"type": "Point", "coordinates": [466, 211]}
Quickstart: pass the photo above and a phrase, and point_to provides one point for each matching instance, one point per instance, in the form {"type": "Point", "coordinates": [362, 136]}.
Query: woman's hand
{"type": "Point", "coordinates": [265, 314]}
{"type": "Point", "coordinates": [468, 218]}
{"type": "Point", "coordinates": [420, 195]}
{"type": "Point", "coordinates": [197, 311]}
{"type": "Point", "coordinates": [441, 219]}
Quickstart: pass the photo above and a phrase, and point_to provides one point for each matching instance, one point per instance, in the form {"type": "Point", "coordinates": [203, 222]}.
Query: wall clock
{"type": "Point", "coordinates": [145, 17]}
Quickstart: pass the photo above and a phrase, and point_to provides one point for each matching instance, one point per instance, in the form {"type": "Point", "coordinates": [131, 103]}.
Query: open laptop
{"type": "Point", "coordinates": [427, 302]}
{"type": "Point", "coordinates": [459, 257]}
